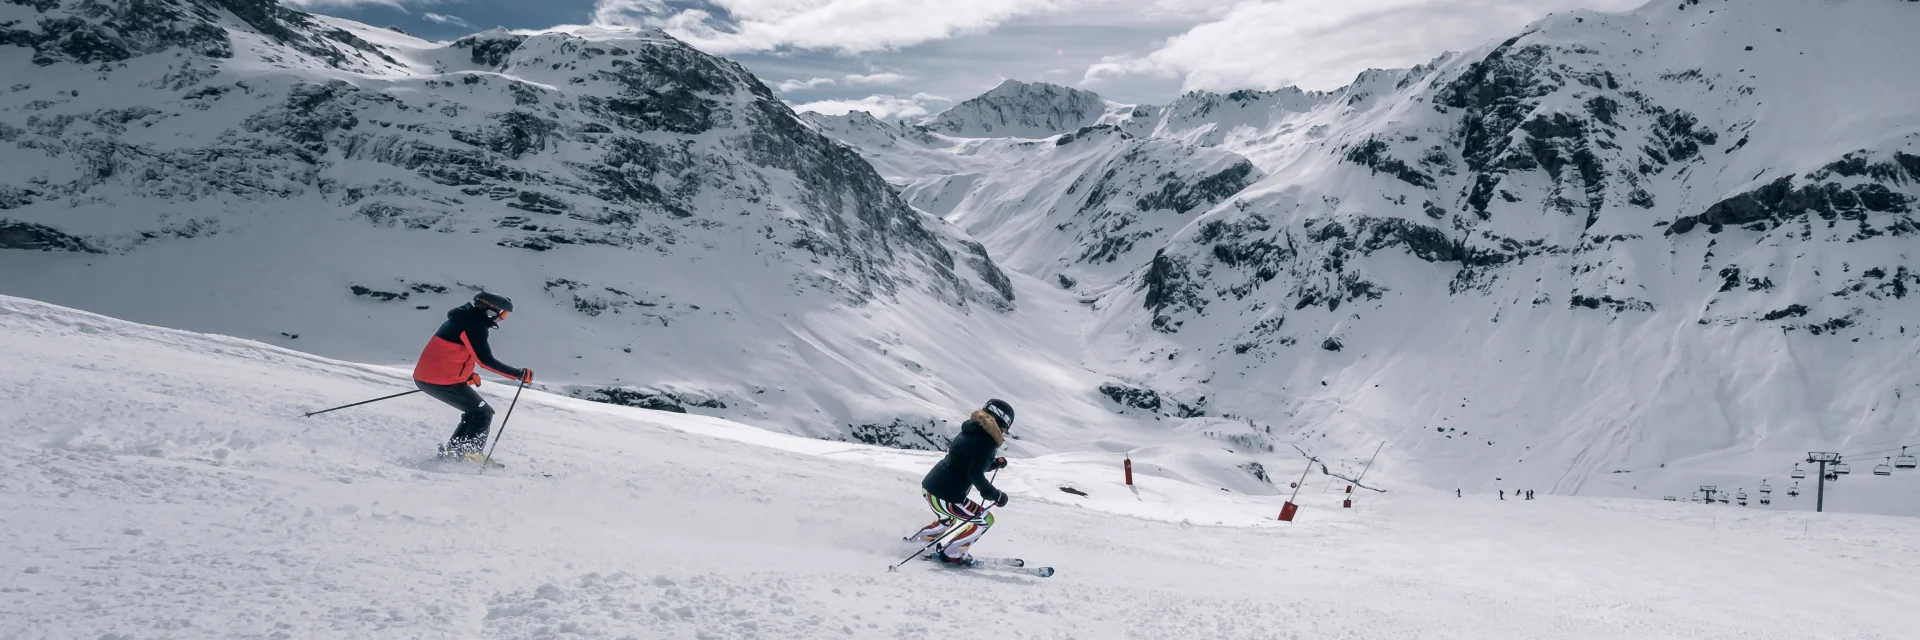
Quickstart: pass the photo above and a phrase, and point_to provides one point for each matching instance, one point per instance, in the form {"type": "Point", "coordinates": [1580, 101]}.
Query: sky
{"type": "Point", "coordinates": [910, 58]}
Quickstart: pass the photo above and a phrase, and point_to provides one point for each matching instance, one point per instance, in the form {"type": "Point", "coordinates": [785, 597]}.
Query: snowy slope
{"type": "Point", "coordinates": [159, 484]}
{"type": "Point", "coordinates": [1614, 254]}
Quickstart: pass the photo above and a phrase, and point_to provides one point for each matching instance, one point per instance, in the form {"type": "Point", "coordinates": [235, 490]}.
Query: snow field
{"type": "Point", "coordinates": [160, 484]}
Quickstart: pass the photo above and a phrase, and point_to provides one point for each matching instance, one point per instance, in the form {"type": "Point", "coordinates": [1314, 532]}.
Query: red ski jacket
{"type": "Point", "coordinates": [460, 344]}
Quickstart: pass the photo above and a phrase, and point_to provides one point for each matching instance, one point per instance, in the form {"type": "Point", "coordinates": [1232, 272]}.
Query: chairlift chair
{"type": "Point", "coordinates": [1764, 501]}
{"type": "Point", "coordinates": [1741, 496]}
{"type": "Point", "coordinates": [1884, 469]}
{"type": "Point", "coordinates": [1797, 473]}
{"type": "Point", "coordinates": [1905, 461]}
{"type": "Point", "coordinates": [1723, 499]}
{"type": "Point", "coordinates": [1793, 492]}
{"type": "Point", "coordinates": [1765, 488]}
{"type": "Point", "coordinates": [1842, 468]}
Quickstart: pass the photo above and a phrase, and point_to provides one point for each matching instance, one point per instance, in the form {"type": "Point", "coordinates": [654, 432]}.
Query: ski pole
{"type": "Point", "coordinates": [984, 508]}
{"type": "Point", "coordinates": [356, 404]}
{"type": "Point", "coordinates": [503, 427]}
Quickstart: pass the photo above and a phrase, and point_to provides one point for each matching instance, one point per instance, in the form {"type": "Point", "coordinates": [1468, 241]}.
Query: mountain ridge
{"type": "Point", "coordinates": [1599, 211]}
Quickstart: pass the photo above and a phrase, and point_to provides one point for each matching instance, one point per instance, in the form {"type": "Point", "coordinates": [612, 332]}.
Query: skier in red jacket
{"type": "Point", "coordinates": [446, 370]}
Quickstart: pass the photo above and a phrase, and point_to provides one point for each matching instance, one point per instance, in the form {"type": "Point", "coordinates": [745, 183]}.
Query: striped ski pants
{"type": "Point", "coordinates": [972, 518]}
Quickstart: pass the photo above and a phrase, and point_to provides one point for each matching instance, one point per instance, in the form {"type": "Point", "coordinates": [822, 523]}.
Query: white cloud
{"type": "Point", "coordinates": [447, 20]}
{"type": "Point", "coordinates": [852, 26]}
{"type": "Point", "coordinates": [885, 107]}
{"type": "Point", "coordinates": [787, 86]}
{"type": "Point", "coordinates": [629, 13]}
{"type": "Point", "coordinates": [1323, 44]}
{"type": "Point", "coordinates": [877, 78]}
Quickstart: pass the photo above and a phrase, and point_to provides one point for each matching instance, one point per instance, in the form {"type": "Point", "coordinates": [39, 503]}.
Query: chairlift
{"type": "Point", "coordinates": [1884, 469]}
{"type": "Point", "coordinates": [1671, 499]}
{"type": "Point", "coordinates": [1905, 461]}
{"type": "Point", "coordinates": [1797, 473]}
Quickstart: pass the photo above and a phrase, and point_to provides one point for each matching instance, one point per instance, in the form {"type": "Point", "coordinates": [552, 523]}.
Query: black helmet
{"type": "Point", "coordinates": [493, 301]}
{"type": "Point", "coordinates": [1002, 412]}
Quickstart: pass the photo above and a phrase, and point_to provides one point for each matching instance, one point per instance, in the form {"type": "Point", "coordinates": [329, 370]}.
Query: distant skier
{"type": "Point", "coordinates": [1529, 494]}
{"type": "Point", "coordinates": [445, 370]}
{"type": "Point", "coordinates": [1503, 494]}
{"type": "Point", "coordinates": [1456, 493]}
{"type": "Point", "coordinates": [945, 488]}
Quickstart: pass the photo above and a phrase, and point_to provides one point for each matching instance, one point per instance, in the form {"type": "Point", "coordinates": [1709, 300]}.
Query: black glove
{"type": "Point", "coordinates": [999, 463]}
{"type": "Point", "coordinates": [1000, 501]}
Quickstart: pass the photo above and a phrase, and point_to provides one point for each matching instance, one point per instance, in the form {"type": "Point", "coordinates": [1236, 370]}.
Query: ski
{"type": "Point", "coordinates": [999, 562]}
{"type": "Point", "coordinates": [1010, 565]}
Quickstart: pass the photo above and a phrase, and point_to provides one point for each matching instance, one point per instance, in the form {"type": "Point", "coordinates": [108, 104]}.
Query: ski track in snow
{"type": "Point", "coordinates": [161, 484]}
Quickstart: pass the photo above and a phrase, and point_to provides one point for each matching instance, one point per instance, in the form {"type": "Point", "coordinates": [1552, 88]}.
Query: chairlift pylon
{"type": "Point", "coordinates": [1905, 461]}
{"type": "Point", "coordinates": [1884, 469]}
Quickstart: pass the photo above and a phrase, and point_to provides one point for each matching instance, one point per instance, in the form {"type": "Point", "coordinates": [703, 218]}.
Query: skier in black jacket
{"type": "Point", "coordinates": [968, 460]}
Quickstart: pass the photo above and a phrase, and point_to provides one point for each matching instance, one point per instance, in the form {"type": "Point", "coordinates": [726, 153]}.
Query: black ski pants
{"type": "Point", "coordinates": [475, 417]}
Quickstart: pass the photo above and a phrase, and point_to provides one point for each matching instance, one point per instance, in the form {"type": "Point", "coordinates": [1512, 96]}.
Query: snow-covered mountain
{"type": "Point", "coordinates": [1018, 109]}
{"type": "Point", "coordinates": [673, 234]}
{"type": "Point", "coordinates": [1617, 253]}
{"type": "Point", "coordinates": [1088, 206]}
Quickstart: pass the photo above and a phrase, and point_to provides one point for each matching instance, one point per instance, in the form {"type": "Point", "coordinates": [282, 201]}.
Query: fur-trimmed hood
{"type": "Point", "coordinates": [989, 425]}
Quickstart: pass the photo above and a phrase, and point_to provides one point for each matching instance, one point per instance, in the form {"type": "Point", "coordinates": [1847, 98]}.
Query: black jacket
{"type": "Point", "coordinates": [968, 459]}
